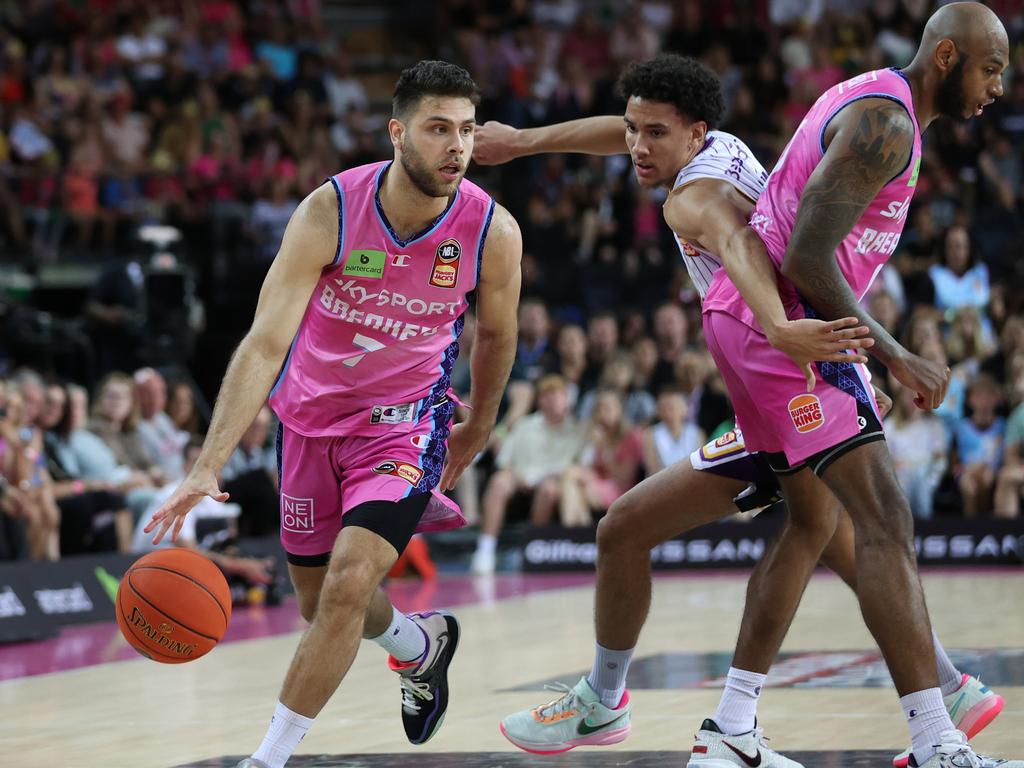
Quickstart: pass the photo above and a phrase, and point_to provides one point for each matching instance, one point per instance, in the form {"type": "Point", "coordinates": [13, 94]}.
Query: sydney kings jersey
{"type": "Point", "coordinates": [723, 158]}
{"type": "Point", "coordinates": [874, 237]}
{"type": "Point", "coordinates": [376, 346]}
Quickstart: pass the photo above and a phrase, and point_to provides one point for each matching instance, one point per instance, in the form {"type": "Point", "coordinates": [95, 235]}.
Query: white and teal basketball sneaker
{"type": "Point", "coordinates": [575, 719]}
{"type": "Point", "coordinates": [955, 752]}
{"type": "Point", "coordinates": [971, 708]}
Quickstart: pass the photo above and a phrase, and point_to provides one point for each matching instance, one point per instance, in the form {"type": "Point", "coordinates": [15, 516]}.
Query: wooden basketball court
{"type": "Point", "coordinates": [830, 702]}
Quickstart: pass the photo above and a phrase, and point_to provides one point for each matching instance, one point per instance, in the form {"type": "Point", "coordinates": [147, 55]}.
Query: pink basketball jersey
{"type": "Point", "coordinates": [873, 239]}
{"type": "Point", "coordinates": [375, 349]}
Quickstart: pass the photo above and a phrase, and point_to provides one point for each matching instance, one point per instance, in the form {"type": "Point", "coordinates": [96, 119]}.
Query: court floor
{"type": "Point", "coordinates": [86, 699]}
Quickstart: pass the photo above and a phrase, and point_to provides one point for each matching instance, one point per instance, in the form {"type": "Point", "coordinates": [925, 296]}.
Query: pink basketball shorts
{"type": "Point", "coordinates": [323, 478]}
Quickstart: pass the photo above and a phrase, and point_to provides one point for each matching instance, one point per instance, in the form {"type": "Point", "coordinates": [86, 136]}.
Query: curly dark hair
{"type": "Point", "coordinates": [683, 82]}
{"type": "Point", "coordinates": [431, 78]}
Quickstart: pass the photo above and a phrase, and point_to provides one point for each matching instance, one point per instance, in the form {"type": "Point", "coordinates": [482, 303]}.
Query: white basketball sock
{"type": "Point", "coordinates": [283, 736]}
{"type": "Point", "coordinates": [950, 678]}
{"type": "Point", "coordinates": [486, 543]}
{"type": "Point", "coordinates": [608, 675]}
{"type": "Point", "coordinates": [737, 709]}
{"type": "Point", "coordinates": [928, 719]}
{"type": "Point", "coordinates": [404, 638]}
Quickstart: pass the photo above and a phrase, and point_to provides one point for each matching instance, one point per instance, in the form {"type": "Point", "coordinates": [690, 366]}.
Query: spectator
{"type": "Point", "coordinates": [181, 407]}
{"type": "Point", "coordinates": [538, 450]}
{"type": "Point", "coordinates": [670, 334]}
{"type": "Point", "coordinates": [572, 360]}
{"type": "Point", "coordinates": [162, 441]}
{"type": "Point", "coordinates": [250, 477]}
{"type": "Point", "coordinates": [979, 446]}
{"type": "Point", "coordinates": [618, 375]}
{"type": "Point", "coordinates": [93, 516]}
{"type": "Point", "coordinates": [602, 344]}
{"type": "Point", "coordinates": [114, 311]}
{"type": "Point", "coordinates": [115, 418]}
{"type": "Point", "coordinates": [32, 522]}
{"type": "Point", "coordinates": [345, 93]}
{"type": "Point", "coordinates": [960, 280]}
{"type": "Point", "coordinates": [610, 464]}
{"type": "Point", "coordinates": [534, 353]}
{"type": "Point", "coordinates": [85, 456]}
{"type": "Point", "coordinates": [918, 442]}
{"type": "Point", "coordinates": [673, 437]}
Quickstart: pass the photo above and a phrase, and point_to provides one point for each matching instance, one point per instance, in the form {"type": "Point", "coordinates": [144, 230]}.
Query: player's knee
{"type": "Point", "coordinates": [307, 604]}
{"type": "Point", "coordinates": [614, 531]}
{"type": "Point", "coordinates": [818, 529]}
{"type": "Point", "coordinates": [347, 590]}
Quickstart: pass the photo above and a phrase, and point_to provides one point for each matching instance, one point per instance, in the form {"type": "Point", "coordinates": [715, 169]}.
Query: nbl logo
{"type": "Point", "coordinates": [445, 272]}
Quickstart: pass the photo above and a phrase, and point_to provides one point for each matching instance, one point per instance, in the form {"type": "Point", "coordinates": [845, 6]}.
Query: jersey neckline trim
{"type": "Point", "coordinates": [387, 224]}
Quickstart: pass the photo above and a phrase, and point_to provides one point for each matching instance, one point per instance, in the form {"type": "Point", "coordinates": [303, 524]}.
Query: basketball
{"type": "Point", "coordinates": [173, 605]}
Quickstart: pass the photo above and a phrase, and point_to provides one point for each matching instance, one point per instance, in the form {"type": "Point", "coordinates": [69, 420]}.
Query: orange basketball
{"type": "Point", "coordinates": [173, 605]}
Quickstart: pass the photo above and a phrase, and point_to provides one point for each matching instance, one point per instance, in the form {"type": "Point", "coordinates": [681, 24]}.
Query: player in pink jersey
{"type": "Point", "coordinates": [354, 339]}
{"type": "Point", "coordinates": [831, 214]}
{"type": "Point", "coordinates": [715, 182]}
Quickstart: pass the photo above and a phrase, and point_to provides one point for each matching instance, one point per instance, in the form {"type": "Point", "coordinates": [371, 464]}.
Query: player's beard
{"type": "Point", "coordinates": [949, 98]}
{"type": "Point", "coordinates": [423, 177]}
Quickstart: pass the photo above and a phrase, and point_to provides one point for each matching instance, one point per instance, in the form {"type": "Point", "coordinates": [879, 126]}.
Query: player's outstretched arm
{"type": "Point", "coordinates": [309, 244]}
{"type": "Point", "coordinates": [872, 140]}
{"type": "Point", "coordinates": [495, 143]}
{"type": "Point", "coordinates": [706, 212]}
{"type": "Point", "coordinates": [494, 348]}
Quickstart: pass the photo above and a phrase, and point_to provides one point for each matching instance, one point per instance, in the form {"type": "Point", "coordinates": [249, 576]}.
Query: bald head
{"type": "Point", "coordinates": [972, 27]}
{"type": "Point", "coordinates": [959, 65]}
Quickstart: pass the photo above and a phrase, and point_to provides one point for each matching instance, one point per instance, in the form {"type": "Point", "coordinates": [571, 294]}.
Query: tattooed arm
{"type": "Point", "coordinates": [871, 141]}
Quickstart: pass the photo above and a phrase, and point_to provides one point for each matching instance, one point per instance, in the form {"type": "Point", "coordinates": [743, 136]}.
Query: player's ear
{"type": "Point", "coordinates": [946, 54]}
{"type": "Point", "coordinates": [396, 130]}
{"type": "Point", "coordinates": [698, 132]}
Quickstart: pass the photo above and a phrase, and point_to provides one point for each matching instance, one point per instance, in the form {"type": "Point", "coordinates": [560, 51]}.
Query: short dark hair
{"type": "Point", "coordinates": [685, 83]}
{"type": "Point", "coordinates": [431, 78]}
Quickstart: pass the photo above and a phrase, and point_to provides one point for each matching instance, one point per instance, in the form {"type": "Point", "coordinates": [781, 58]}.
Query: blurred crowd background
{"type": "Point", "coordinates": [152, 151]}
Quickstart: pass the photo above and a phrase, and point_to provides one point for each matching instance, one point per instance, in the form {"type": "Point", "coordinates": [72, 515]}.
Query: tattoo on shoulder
{"type": "Point", "coordinates": [880, 140]}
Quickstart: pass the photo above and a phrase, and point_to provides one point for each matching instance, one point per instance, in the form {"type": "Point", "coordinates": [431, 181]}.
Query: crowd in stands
{"type": "Point", "coordinates": [216, 116]}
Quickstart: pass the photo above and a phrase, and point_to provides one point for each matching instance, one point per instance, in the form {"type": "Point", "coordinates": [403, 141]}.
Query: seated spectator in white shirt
{"type": "Point", "coordinates": [162, 441]}
{"type": "Point", "coordinates": [674, 437]}
{"type": "Point", "coordinates": [539, 448]}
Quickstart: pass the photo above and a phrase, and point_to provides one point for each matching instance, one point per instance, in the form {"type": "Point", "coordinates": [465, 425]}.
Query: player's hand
{"type": "Point", "coordinates": [883, 401]}
{"type": "Point", "coordinates": [927, 378]}
{"type": "Point", "coordinates": [464, 443]}
{"type": "Point", "coordinates": [494, 143]}
{"type": "Point", "coordinates": [197, 484]}
{"type": "Point", "coordinates": [808, 341]}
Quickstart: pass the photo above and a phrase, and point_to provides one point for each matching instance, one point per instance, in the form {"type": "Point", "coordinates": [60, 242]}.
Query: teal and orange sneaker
{"type": "Point", "coordinates": [575, 719]}
{"type": "Point", "coordinates": [971, 707]}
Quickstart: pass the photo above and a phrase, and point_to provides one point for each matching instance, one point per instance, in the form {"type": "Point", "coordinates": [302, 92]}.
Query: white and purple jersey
{"type": "Point", "coordinates": [723, 158]}
{"type": "Point", "coordinates": [375, 349]}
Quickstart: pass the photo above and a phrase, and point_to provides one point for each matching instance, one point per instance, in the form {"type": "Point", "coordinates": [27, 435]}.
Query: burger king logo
{"type": "Point", "coordinates": [805, 410]}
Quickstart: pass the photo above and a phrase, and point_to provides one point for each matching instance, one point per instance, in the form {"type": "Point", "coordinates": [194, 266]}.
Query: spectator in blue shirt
{"type": "Point", "coordinates": [979, 445]}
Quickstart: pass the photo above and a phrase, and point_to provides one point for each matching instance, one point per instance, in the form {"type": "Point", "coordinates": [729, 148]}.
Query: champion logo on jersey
{"type": "Point", "coordinates": [805, 410]}
{"type": "Point", "coordinates": [445, 272]}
